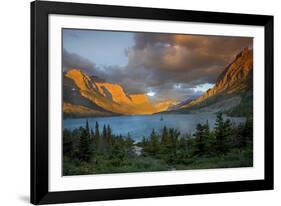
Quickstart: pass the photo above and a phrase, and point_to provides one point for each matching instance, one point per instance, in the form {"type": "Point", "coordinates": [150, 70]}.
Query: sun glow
{"type": "Point", "coordinates": [151, 94]}
{"type": "Point", "coordinates": [203, 87]}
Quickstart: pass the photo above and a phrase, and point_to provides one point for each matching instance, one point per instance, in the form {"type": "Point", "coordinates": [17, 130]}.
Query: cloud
{"type": "Point", "coordinates": [132, 81]}
{"type": "Point", "coordinates": [71, 60]}
{"type": "Point", "coordinates": [158, 62]}
{"type": "Point", "coordinates": [194, 56]}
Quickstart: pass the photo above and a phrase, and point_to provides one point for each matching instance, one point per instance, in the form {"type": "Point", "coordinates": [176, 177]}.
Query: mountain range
{"type": "Point", "coordinates": [232, 92]}
{"type": "Point", "coordinates": [85, 95]}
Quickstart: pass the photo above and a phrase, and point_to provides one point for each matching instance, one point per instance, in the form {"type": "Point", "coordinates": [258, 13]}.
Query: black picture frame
{"type": "Point", "coordinates": [40, 105]}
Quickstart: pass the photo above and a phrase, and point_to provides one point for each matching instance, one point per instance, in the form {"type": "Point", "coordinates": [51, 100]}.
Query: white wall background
{"type": "Point", "coordinates": [14, 102]}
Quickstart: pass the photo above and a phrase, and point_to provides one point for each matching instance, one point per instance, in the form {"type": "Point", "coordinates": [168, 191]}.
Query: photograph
{"type": "Point", "coordinates": [147, 102]}
{"type": "Point", "coordinates": [132, 102]}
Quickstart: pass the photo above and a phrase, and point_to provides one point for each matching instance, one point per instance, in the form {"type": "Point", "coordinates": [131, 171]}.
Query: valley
{"type": "Point", "coordinates": [88, 96]}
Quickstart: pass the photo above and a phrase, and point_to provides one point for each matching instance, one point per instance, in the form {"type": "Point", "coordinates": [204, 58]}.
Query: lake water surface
{"type": "Point", "coordinates": [142, 125]}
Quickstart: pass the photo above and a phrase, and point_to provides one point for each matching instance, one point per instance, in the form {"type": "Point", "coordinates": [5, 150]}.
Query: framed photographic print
{"type": "Point", "coordinates": [133, 102]}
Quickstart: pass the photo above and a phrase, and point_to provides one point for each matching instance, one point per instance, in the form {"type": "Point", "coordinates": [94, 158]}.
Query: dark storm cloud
{"type": "Point", "coordinates": [71, 60]}
{"type": "Point", "coordinates": [194, 56]}
{"type": "Point", "coordinates": [131, 80]}
{"type": "Point", "coordinates": [158, 62]}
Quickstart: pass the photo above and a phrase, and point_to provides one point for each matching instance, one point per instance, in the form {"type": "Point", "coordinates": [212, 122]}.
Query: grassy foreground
{"type": "Point", "coordinates": [148, 164]}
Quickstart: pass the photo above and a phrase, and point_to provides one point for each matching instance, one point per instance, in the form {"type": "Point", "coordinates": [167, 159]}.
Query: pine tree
{"type": "Point", "coordinates": [239, 140]}
{"type": "Point", "coordinates": [109, 140]}
{"type": "Point", "coordinates": [103, 140]}
{"type": "Point", "coordinates": [87, 127]}
{"type": "Point", "coordinates": [248, 131]}
{"type": "Point", "coordinates": [173, 141]}
{"type": "Point", "coordinates": [67, 143]}
{"type": "Point", "coordinates": [207, 128]}
{"type": "Point", "coordinates": [96, 136]}
{"type": "Point", "coordinates": [104, 133]}
{"type": "Point", "coordinates": [85, 151]}
{"type": "Point", "coordinates": [223, 132]}
{"type": "Point", "coordinates": [199, 144]}
{"type": "Point", "coordinates": [92, 134]}
{"type": "Point", "coordinates": [109, 135]}
{"type": "Point", "coordinates": [165, 136]}
{"type": "Point", "coordinates": [129, 141]}
{"type": "Point", "coordinates": [92, 138]}
{"type": "Point", "coordinates": [201, 139]}
{"type": "Point", "coordinates": [97, 132]}
{"type": "Point", "coordinates": [165, 142]}
{"type": "Point", "coordinates": [143, 143]}
{"type": "Point", "coordinates": [154, 143]}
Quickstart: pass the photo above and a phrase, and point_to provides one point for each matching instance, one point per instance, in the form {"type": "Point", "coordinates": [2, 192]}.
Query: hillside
{"type": "Point", "coordinates": [233, 88]}
{"type": "Point", "coordinates": [86, 95]}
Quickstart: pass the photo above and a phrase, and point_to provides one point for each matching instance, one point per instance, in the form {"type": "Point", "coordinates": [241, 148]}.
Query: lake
{"type": "Point", "coordinates": [142, 125]}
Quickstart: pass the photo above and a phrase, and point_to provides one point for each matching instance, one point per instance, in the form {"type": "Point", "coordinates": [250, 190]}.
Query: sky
{"type": "Point", "coordinates": [164, 66]}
